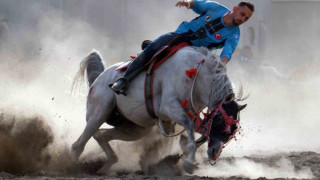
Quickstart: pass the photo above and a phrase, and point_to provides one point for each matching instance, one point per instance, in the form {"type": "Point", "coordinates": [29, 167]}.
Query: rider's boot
{"type": "Point", "coordinates": [120, 86]}
{"type": "Point", "coordinates": [145, 43]}
{"type": "Point", "coordinates": [137, 65]}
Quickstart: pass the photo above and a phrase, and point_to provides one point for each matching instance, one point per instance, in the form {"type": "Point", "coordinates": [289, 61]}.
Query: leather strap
{"type": "Point", "coordinates": [154, 63]}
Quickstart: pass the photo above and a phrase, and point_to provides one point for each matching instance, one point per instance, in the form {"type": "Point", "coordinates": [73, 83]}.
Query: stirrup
{"type": "Point", "coordinates": [123, 91]}
{"type": "Point", "coordinates": [120, 90]}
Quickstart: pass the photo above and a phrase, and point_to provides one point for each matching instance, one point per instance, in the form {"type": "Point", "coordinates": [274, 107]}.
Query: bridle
{"type": "Point", "coordinates": [204, 125]}
{"type": "Point", "coordinates": [188, 103]}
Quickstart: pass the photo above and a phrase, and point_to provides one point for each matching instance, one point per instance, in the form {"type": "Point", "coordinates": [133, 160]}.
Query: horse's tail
{"type": "Point", "coordinates": [94, 66]}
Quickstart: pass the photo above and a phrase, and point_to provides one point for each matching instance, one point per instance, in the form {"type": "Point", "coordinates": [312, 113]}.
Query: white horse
{"type": "Point", "coordinates": [170, 87]}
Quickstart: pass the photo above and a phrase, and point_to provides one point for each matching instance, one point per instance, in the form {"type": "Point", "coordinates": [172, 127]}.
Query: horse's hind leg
{"type": "Point", "coordinates": [128, 132]}
{"type": "Point", "coordinates": [100, 103]}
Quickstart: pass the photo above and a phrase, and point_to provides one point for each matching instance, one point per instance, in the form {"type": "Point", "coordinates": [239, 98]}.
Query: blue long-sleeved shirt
{"type": "Point", "coordinates": [209, 11]}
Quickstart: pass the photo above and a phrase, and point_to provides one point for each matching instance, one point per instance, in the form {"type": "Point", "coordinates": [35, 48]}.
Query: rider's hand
{"type": "Point", "coordinates": [223, 65]}
{"type": "Point", "coordinates": [188, 4]}
{"type": "Point", "coordinates": [223, 62]}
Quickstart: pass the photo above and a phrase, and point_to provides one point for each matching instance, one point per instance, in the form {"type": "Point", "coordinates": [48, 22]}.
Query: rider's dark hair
{"type": "Point", "coordinates": [250, 5]}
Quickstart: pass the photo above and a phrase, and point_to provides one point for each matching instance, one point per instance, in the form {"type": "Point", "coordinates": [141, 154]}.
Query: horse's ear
{"type": "Point", "coordinates": [229, 97]}
{"type": "Point", "coordinates": [241, 107]}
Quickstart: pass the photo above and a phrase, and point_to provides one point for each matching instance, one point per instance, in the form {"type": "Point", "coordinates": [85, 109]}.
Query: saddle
{"type": "Point", "coordinates": [161, 56]}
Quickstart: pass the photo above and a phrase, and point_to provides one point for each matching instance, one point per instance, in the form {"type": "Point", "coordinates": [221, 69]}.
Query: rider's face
{"type": "Point", "coordinates": [242, 14]}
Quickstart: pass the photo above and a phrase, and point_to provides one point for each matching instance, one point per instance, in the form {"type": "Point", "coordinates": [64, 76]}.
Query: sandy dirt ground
{"type": "Point", "coordinates": [300, 160]}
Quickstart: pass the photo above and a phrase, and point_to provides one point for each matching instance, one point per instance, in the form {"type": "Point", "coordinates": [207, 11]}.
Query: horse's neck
{"type": "Point", "coordinates": [211, 86]}
{"type": "Point", "coordinates": [207, 76]}
{"type": "Point", "coordinates": [201, 89]}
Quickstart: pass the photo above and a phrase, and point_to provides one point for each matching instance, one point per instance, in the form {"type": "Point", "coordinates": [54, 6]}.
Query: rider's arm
{"type": "Point", "coordinates": [230, 46]}
{"type": "Point", "coordinates": [202, 6]}
{"type": "Point", "coordinates": [188, 4]}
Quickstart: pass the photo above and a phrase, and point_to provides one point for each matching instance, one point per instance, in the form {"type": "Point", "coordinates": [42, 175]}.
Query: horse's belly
{"type": "Point", "coordinates": [136, 112]}
{"type": "Point", "coordinates": [144, 122]}
{"type": "Point", "coordinates": [133, 105]}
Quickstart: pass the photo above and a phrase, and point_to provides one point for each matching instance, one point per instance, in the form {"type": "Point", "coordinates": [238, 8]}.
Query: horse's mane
{"type": "Point", "coordinates": [221, 86]}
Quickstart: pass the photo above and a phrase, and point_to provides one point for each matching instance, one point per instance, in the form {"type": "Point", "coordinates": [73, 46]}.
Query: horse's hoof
{"type": "Point", "coordinates": [105, 170]}
{"type": "Point", "coordinates": [75, 153]}
{"type": "Point", "coordinates": [189, 167]}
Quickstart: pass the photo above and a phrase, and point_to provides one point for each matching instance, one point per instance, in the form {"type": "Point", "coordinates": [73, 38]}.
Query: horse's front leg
{"type": "Point", "coordinates": [171, 108]}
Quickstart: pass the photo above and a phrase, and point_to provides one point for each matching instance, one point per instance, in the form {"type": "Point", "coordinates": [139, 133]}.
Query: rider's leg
{"type": "Point", "coordinates": [177, 40]}
{"type": "Point", "coordinates": [138, 63]}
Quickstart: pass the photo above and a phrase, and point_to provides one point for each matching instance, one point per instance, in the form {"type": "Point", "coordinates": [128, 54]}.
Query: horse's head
{"type": "Point", "coordinates": [224, 125]}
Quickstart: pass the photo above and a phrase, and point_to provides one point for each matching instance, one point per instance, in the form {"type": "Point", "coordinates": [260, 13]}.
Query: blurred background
{"type": "Point", "coordinates": [43, 42]}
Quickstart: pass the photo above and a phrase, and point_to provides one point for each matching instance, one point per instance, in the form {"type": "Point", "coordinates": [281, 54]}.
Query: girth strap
{"type": "Point", "coordinates": [148, 85]}
{"type": "Point", "coordinates": [162, 55]}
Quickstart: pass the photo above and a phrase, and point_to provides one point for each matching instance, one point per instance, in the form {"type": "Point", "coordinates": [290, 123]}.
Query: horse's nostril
{"type": "Point", "coordinates": [213, 157]}
{"type": "Point", "coordinates": [215, 150]}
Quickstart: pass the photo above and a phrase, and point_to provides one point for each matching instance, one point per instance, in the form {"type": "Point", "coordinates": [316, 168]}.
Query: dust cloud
{"type": "Point", "coordinates": [282, 114]}
{"type": "Point", "coordinates": [28, 146]}
{"type": "Point", "coordinates": [40, 53]}
{"type": "Point", "coordinates": [24, 143]}
{"type": "Point", "coordinates": [243, 167]}
{"type": "Point", "coordinates": [42, 44]}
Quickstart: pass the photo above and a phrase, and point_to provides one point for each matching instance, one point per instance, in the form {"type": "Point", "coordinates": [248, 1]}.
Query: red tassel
{"type": "Point", "coordinates": [191, 116]}
{"type": "Point", "coordinates": [133, 57]}
{"type": "Point", "coordinates": [184, 103]}
{"type": "Point", "coordinates": [191, 72]}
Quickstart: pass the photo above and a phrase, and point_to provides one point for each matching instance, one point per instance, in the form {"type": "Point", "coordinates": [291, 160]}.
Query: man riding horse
{"type": "Point", "coordinates": [216, 27]}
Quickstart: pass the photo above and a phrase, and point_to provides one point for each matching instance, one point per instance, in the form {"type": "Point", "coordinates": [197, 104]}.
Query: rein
{"type": "Point", "coordinates": [200, 127]}
{"type": "Point", "coordinates": [188, 105]}
{"type": "Point", "coordinates": [192, 112]}
{"type": "Point", "coordinates": [192, 74]}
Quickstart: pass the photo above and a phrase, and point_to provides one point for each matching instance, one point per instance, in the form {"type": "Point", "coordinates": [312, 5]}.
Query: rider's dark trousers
{"type": "Point", "coordinates": [145, 56]}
